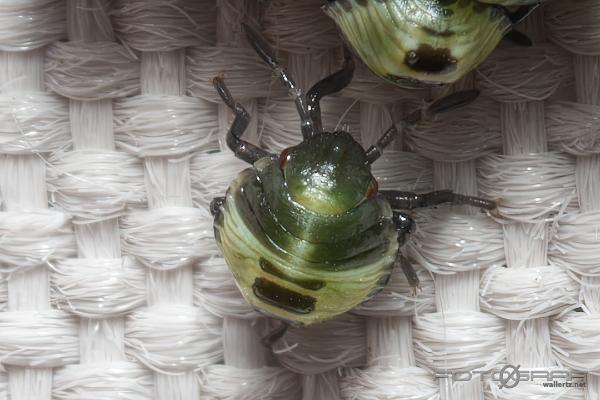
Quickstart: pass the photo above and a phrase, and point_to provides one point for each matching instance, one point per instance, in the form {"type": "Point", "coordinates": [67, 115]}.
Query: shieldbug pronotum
{"type": "Point", "coordinates": [410, 42]}
{"type": "Point", "coordinates": [307, 234]}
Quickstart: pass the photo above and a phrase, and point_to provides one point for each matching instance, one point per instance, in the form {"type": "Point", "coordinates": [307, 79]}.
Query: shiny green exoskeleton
{"type": "Point", "coordinates": [411, 42]}
{"type": "Point", "coordinates": [306, 236]}
{"type": "Point", "coordinates": [306, 233]}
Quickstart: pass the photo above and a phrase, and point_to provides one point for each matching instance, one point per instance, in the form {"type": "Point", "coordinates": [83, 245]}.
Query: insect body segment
{"type": "Point", "coordinates": [307, 234]}
{"type": "Point", "coordinates": [295, 279]}
{"type": "Point", "coordinates": [327, 174]}
{"type": "Point", "coordinates": [409, 42]}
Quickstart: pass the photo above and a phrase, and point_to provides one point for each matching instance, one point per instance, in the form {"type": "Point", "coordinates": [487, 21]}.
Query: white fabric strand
{"type": "Point", "coordinates": [280, 121]}
{"type": "Point", "coordinates": [31, 239]}
{"type": "Point", "coordinates": [91, 71]}
{"type": "Point", "coordinates": [223, 382]}
{"type": "Point", "coordinates": [528, 188]}
{"type": "Point", "coordinates": [31, 24]}
{"type": "Point", "coordinates": [459, 340]}
{"type": "Point", "coordinates": [445, 242]}
{"type": "Point", "coordinates": [164, 25]}
{"type": "Point", "coordinates": [215, 290]}
{"type": "Point", "coordinates": [323, 347]}
{"type": "Point", "coordinates": [574, 245]}
{"type": "Point", "coordinates": [527, 293]}
{"type": "Point", "coordinates": [389, 383]}
{"type": "Point", "coordinates": [167, 238]}
{"type": "Point", "coordinates": [292, 25]}
{"type": "Point", "coordinates": [573, 25]}
{"type": "Point", "coordinates": [3, 386]}
{"type": "Point", "coordinates": [98, 288]}
{"type": "Point", "coordinates": [369, 88]}
{"type": "Point", "coordinates": [517, 74]}
{"type": "Point", "coordinates": [246, 75]}
{"type": "Point", "coordinates": [398, 299]}
{"type": "Point", "coordinates": [174, 338]}
{"type": "Point", "coordinates": [95, 185]}
{"type": "Point", "coordinates": [3, 293]}
{"type": "Point", "coordinates": [41, 339]}
{"type": "Point", "coordinates": [33, 123]}
{"type": "Point", "coordinates": [211, 174]}
{"type": "Point", "coordinates": [162, 125]}
{"type": "Point", "coordinates": [460, 135]}
{"type": "Point", "coordinates": [573, 127]}
{"type": "Point", "coordinates": [575, 341]}
{"type": "Point", "coordinates": [398, 170]}
{"type": "Point", "coordinates": [117, 380]}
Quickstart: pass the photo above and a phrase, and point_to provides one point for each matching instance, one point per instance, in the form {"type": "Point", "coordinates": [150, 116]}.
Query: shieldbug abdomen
{"type": "Point", "coordinates": [306, 233]}
{"type": "Point", "coordinates": [410, 42]}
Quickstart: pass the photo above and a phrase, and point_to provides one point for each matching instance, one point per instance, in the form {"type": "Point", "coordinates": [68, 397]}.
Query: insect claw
{"type": "Point", "coordinates": [415, 290]}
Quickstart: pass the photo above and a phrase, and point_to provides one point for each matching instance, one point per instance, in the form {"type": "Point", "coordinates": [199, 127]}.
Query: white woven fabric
{"type": "Point", "coordinates": [112, 147]}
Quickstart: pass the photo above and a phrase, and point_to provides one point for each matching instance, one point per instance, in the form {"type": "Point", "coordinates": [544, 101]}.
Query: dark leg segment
{"type": "Point", "coordinates": [409, 271]}
{"type": "Point", "coordinates": [265, 52]}
{"type": "Point", "coordinates": [518, 38]}
{"type": "Point", "coordinates": [216, 205]}
{"type": "Point", "coordinates": [275, 335]}
{"type": "Point", "coordinates": [409, 200]}
{"type": "Point", "coordinates": [521, 13]}
{"type": "Point", "coordinates": [447, 103]}
{"type": "Point", "coordinates": [405, 224]}
{"type": "Point", "coordinates": [242, 149]}
{"type": "Point", "coordinates": [329, 85]}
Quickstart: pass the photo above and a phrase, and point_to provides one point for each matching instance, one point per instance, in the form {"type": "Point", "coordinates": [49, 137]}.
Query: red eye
{"type": "Point", "coordinates": [372, 190]}
{"type": "Point", "coordinates": [283, 158]}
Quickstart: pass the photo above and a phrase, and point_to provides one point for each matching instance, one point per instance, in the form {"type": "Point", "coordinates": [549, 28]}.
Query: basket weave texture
{"type": "Point", "coordinates": [112, 147]}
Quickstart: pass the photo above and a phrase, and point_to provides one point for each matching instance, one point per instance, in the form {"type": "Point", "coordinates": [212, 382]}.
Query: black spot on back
{"type": "Point", "coordinates": [310, 284]}
{"type": "Point", "coordinates": [428, 59]}
{"type": "Point", "coordinates": [284, 298]}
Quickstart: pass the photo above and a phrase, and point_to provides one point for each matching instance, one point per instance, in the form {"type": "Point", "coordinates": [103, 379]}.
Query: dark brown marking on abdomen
{"type": "Point", "coordinates": [428, 59]}
{"type": "Point", "coordinates": [284, 298]}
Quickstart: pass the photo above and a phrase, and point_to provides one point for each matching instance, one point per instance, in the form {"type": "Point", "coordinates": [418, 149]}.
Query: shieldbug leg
{"type": "Point", "coordinates": [264, 50]}
{"type": "Point", "coordinates": [521, 13]}
{"type": "Point", "coordinates": [275, 335]}
{"type": "Point", "coordinates": [405, 225]}
{"type": "Point", "coordinates": [518, 38]}
{"type": "Point", "coordinates": [410, 273]}
{"type": "Point", "coordinates": [409, 200]}
{"type": "Point", "coordinates": [451, 102]}
{"type": "Point", "coordinates": [242, 149]}
{"type": "Point", "coordinates": [445, 104]}
{"type": "Point", "coordinates": [327, 86]}
{"type": "Point", "coordinates": [216, 204]}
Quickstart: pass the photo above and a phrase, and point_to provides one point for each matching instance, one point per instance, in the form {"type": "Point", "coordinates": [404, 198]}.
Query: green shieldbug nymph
{"type": "Point", "coordinates": [307, 234]}
{"type": "Point", "coordinates": [411, 42]}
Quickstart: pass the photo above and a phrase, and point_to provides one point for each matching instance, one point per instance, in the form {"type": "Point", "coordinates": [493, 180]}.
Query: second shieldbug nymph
{"type": "Point", "coordinates": [306, 233]}
{"type": "Point", "coordinates": [411, 42]}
